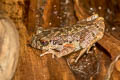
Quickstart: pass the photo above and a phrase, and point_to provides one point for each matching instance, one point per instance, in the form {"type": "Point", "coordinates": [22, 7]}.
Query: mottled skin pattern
{"type": "Point", "coordinates": [65, 40]}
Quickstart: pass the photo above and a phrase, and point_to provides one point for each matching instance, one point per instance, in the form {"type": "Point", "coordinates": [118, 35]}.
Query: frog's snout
{"type": "Point", "coordinates": [100, 24]}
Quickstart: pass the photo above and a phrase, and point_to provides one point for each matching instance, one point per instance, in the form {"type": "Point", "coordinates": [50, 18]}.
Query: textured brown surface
{"type": "Point", "coordinates": [31, 66]}
{"type": "Point", "coordinates": [113, 46]}
{"type": "Point", "coordinates": [23, 13]}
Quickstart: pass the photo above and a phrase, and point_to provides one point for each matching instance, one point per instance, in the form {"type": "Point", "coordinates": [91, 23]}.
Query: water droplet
{"type": "Point", "coordinates": [109, 11]}
{"type": "Point", "coordinates": [99, 7]}
{"type": "Point", "coordinates": [67, 1]}
{"type": "Point", "coordinates": [107, 17]}
{"type": "Point", "coordinates": [50, 23]}
{"type": "Point", "coordinates": [113, 28]}
{"type": "Point", "coordinates": [93, 12]}
{"type": "Point", "coordinates": [54, 6]}
{"type": "Point", "coordinates": [36, 15]}
{"type": "Point", "coordinates": [107, 30]}
{"type": "Point", "coordinates": [60, 18]}
{"type": "Point", "coordinates": [91, 9]}
{"type": "Point", "coordinates": [55, 12]}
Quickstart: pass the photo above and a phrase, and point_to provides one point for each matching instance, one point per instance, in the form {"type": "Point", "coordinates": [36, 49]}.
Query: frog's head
{"type": "Point", "coordinates": [45, 44]}
{"type": "Point", "coordinates": [38, 43]}
{"type": "Point", "coordinates": [100, 24]}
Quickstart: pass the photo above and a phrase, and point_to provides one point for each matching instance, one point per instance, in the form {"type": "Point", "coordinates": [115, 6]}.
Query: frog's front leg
{"type": "Point", "coordinates": [67, 49]}
{"type": "Point", "coordinates": [48, 52]}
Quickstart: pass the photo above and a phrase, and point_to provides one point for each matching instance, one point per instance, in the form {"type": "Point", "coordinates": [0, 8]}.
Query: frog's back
{"type": "Point", "coordinates": [77, 32]}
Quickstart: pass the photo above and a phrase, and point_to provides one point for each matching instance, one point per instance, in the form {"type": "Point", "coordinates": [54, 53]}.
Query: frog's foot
{"type": "Point", "coordinates": [88, 49]}
{"type": "Point", "coordinates": [48, 52]}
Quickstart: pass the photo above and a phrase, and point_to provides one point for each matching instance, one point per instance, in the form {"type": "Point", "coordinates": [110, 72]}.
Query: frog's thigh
{"type": "Point", "coordinates": [67, 49]}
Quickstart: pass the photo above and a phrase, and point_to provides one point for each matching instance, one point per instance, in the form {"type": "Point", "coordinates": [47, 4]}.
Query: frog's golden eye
{"type": "Point", "coordinates": [44, 43]}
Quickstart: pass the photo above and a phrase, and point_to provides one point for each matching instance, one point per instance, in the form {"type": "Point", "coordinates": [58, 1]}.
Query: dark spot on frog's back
{"type": "Point", "coordinates": [68, 28]}
{"type": "Point", "coordinates": [46, 33]}
{"type": "Point", "coordinates": [56, 29]}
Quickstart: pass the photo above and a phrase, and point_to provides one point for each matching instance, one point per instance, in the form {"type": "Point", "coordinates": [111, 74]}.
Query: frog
{"type": "Point", "coordinates": [62, 41]}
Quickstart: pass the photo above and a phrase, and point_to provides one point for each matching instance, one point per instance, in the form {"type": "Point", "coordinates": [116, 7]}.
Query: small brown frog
{"type": "Point", "coordinates": [65, 40]}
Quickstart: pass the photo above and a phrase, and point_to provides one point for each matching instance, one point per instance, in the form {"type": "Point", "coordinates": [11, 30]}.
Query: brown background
{"type": "Point", "coordinates": [28, 13]}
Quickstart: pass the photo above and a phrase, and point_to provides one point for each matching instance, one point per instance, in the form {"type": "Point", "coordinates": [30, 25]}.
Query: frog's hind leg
{"type": "Point", "coordinates": [83, 51]}
{"type": "Point", "coordinates": [88, 49]}
{"type": "Point", "coordinates": [80, 54]}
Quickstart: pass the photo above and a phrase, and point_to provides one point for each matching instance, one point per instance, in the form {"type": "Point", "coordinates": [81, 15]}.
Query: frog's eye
{"type": "Point", "coordinates": [44, 43]}
{"type": "Point", "coordinates": [54, 42]}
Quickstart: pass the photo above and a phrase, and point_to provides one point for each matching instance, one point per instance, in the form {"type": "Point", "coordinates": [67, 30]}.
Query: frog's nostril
{"type": "Point", "coordinates": [97, 26]}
